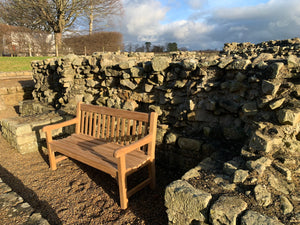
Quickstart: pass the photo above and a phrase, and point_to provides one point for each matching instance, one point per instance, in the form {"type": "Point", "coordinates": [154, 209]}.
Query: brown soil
{"type": "Point", "coordinates": [76, 193]}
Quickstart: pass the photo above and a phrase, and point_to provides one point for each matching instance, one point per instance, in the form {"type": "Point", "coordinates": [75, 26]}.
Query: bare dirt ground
{"type": "Point", "coordinates": [76, 193]}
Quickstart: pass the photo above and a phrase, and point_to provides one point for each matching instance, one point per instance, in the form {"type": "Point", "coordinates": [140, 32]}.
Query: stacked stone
{"type": "Point", "coordinates": [206, 101]}
{"type": "Point", "coordinates": [24, 133]}
{"type": "Point", "coordinates": [243, 102]}
{"type": "Point", "coordinates": [280, 48]}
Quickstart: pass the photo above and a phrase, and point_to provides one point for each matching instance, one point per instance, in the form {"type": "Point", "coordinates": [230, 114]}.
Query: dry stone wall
{"type": "Point", "coordinates": [236, 111]}
{"type": "Point", "coordinates": [204, 102]}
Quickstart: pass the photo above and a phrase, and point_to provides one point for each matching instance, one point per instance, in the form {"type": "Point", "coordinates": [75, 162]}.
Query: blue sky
{"type": "Point", "coordinates": [208, 24]}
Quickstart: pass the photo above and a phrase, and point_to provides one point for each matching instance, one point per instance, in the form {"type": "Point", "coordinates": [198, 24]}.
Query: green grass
{"type": "Point", "coordinates": [16, 64]}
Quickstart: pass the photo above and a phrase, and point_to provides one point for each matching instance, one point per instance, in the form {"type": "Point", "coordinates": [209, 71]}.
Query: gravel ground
{"type": "Point", "coordinates": [78, 194]}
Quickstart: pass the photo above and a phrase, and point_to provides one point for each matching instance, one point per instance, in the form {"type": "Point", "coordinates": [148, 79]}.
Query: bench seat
{"type": "Point", "coordinates": [97, 153]}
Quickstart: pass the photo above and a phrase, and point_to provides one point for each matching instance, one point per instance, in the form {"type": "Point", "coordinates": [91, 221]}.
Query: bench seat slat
{"type": "Point", "coordinates": [97, 153]}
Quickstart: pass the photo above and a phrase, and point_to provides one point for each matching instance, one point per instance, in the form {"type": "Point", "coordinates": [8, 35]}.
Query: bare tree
{"type": "Point", "coordinates": [99, 10]}
{"type": "Point", "coordinates": [54, 15]}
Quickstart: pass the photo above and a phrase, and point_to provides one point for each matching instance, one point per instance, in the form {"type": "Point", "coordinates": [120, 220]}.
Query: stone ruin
{"type": "Point", "coordinates": [237, 112]}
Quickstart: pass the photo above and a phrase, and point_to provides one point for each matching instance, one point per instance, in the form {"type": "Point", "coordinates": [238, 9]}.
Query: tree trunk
{"type": "Point", "coordinates": [91, 21]}
{"type": "Point", "coordinates": [57, 36]}
{"type": "Point", "coordinates": [91, 24]}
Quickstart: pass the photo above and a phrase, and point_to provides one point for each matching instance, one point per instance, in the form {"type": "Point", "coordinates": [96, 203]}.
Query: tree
{"type": "Point", "coordinates": [54, 15]}
{"type": "Point", "coordinates": [98, 10]}
{"type": "Point", "coordinates": [96, 42]}
{"type": "Point", "coordinates": [171, 47]}
{"type": "Point", "coordinates": [158, 48]}
{"type": "Point", "coordinates": [148, 45]}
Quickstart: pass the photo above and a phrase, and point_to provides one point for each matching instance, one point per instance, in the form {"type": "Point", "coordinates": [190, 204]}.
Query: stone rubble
{"type": "Point", "coordinates": [237, 112]}
{"type": "Point", "coordinates": [14, 206]}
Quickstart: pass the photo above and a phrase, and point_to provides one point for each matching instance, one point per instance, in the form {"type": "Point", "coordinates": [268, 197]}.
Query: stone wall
{"type": "Point", "coordinates": [236, 111]}
{"type": "Point", "coordinates": [205, 102]}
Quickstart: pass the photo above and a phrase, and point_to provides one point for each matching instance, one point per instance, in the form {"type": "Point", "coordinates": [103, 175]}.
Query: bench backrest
{"type": "Point", "coordinates": [113, 125]}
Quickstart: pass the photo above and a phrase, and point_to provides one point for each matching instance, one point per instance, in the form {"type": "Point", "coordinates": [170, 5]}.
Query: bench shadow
{"type": "Point", "coordinates": [146, 204]}
{"type": "Point", "coordinates": [30, 197]}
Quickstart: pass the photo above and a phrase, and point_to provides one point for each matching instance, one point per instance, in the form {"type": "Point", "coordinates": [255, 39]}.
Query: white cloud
{"type": "Point", "coordinates": [205, 27]}
{"type": "Point", "coordinates": [196, 4]}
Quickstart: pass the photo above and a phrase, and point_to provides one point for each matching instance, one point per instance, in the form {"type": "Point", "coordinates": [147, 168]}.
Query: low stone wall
{"type": "Point", "coordinates": [19, 74]}
{"type": "Point", "coordinates": [204, 102]}
{"type": "Point", "coordinates": [240, 108]}
{"type": "Point", "coordinates": [25, 133]}
{"type": "Point", "coordinates": [15, 87]}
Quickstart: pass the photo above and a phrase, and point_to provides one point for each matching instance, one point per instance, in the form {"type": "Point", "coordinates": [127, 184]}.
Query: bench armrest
{"type": "Point", "coordinates": [128, 148]}
{"type": "Point", "coordinates": [60, 125]}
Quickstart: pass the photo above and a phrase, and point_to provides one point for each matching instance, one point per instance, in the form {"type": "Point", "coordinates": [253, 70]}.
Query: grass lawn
{"type": "Point", "coordinates": [15, 64]}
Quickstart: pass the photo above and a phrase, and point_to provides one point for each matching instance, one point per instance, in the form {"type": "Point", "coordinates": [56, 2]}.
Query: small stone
{"type": "Point", "coordinates": [286, 205]}
{"type": "Point", "coordinates": [279, 185]}
{"type": "Point", "coordinates": [25, 205]}
{"type": "Point", "coordinates": [157, 109]}
{"type": "Point", "coordinates": [293, 61]}
{"type": "Point", "coordinates": [249, 109]}
{"type": "Point", "coordinates": [224, 61]}
{"type": "Point", "coordinates": [191, 174]}
{"type": "Point", "coordinates": [264, 143]}
{"type": "Point", "coordinates": [189, 64]}
{"type": "Point", "coordinates": [276, 67]}
{"type": "Point", "coordinates": [160, 63]}
{"type": "Point", "coordinates": [285, 171]}
{"type": "Point", "coordinates": [276, 104]}
{"type": "Point", "coordinates": [270, 88]}
{"type": "Point", "coordinates": [189, 144]}
{"type": "Point", "coordinates": [128, 83]}
{"type": "Point", "coordinates": [226, 210]}
{"type": "Point", "coordinates": [171, 138]}
{"type": "Point", "coordinates": [240, 176]}
{"type": "Point", "coordinates": [148, 88]}
{"type": "Point", "coordinates": [288, 116]}
{"type": "Point", "coordinates": [239, 64]}
{"type": "Point", "coordinates": [185, 203]}
{"type": "Point", "coordinates": [262, 196]}
{"type": "Point", "coordinates": [126, 64]}
{"type": "Point", "coordinates": [255, 218]}
{"type": "Point", "coordinates": [240, 77]}
{"type": "Point", "coordinates": [130, 105]}
{"type": "Point", "coordinates": [259, 165]}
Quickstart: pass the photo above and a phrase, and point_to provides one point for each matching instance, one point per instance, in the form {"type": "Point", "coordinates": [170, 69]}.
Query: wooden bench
{"type": "Point", "coordinates": [115, 141]}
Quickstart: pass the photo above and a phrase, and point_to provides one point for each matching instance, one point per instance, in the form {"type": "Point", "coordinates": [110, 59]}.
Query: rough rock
{"type": "Point", "coordinates": [189, 144]}
{"type": "Point", "coordinates": [240, 176]}
{"type": "Point", "coordinates": [259, 165]}
{"type": "Point", "coordinates": [185, 203]}
{"type": "Point", "coordinates": [160, 63]}
{"type": "Point", "coordinates": [262, 196]}
{"type": "Point", "coordinates": [255, 218]}
{"type": "Point", "coordinates": [226, 210]}
{"type": "Point", "coordinates": [264, 143]}
{"type": "Point", "coordinates": [288, 116]}
{"type": "Point", "coordinates": [286, 205]}
{"type": "Point", "coordinates": [270, 88]}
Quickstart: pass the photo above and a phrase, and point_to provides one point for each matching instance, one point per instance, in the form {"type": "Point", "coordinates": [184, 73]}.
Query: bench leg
{"type": "Point", "coordinates": [52, 160]}
{"type": "Point", "coordinates": [122, 182]}
{"type": "Point", "coordinates": [151, 169]}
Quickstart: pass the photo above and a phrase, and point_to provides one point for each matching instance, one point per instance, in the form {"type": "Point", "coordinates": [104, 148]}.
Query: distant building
{"type": "Point", "coordinates": [20, 41]}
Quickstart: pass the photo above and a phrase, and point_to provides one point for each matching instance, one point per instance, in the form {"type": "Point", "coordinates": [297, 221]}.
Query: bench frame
{"type": "Point", "coordinates": [87, 124]}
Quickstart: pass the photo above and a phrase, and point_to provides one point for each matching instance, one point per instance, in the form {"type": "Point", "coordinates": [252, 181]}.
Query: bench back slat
{"type": "Point", "coordinates": [113, 125]}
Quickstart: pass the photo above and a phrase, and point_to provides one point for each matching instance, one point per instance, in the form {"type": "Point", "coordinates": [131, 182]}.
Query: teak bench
{"type": "Point", "coordinates": [115, 141]}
